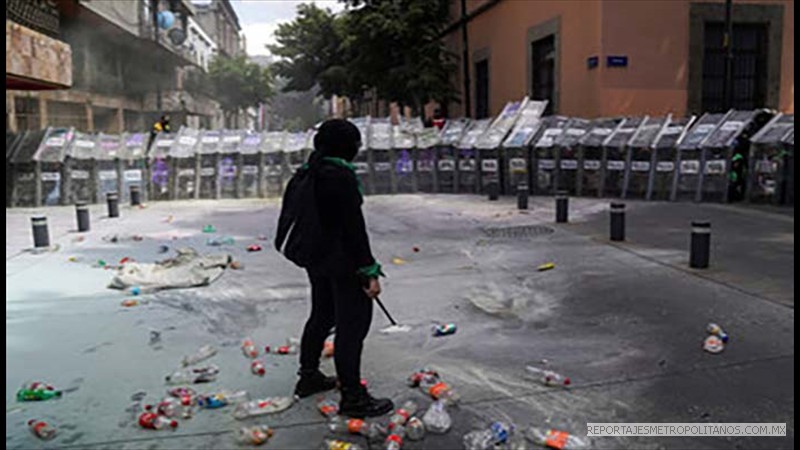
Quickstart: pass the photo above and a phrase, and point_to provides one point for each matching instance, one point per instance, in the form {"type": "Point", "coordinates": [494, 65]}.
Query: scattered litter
{"type": "Point", "coordinates": [717, 330]}
{"type": "Point", "coordinates": [249, 348]}
{"type": "Point", "coordinates": [415, 378]}
{"type": "Point", "coordinates": [327, 407]}
{"type": "Point", "coordinates": [187, 269]}
{"type": "Point", "coordinates": [78, 239]}
{"type": "Point", "coordinates": [257, 368]}
{"type": "Point", "coordinates": [548, 377]}
{"type": "Point", "coordinates": [290, 348]}
{"type": "Point", "coordinates": [401, 415]}
{"type": "Point", "coordinates": [209, 229]}
{"type": "Point", "coordinates": [169, 219]}
{"type": "Point", "coordinates": [100, 263]}
{"type": "Point", "coordinates": [546, 266]}
{"type": "Point", "coordinates": [713, 344]}
{"type": "Point", "coordinates": [202, 354]}
{"type": "Point", "coordinates": [153, 421]}
{"type": "Point", "coordinates": [133, 302]}
{"type": "Point", "coordinates": [334, 444]}
{"type": "Point", "coordinates": [344, 425]}
{"type": "Point", "coordinates": [498, 433]}
{"type": "Point", "coordinates": [173, 407]}
{"type": "Point", "coordinates": [155, 337]}
{"type": "Point", "coordinates": [394, 441]}
{"type": "Point", "coordinates": [398, 261]}
{"type": "Point", "coordinates": [436, 418]}
{"type": "Point", "coordinates": [73, 259]}
{"type": "Point", "coordinates": [142, 205]}
{"type": "Point", "coordinates": [218, 241]}
{"type": "Point", "coordinates": [193, 375]}
{"type": "Point", "coordinates": [327, 348]}
{"type": "Point", "coordinates": [136, 290]}
{"type": "Point", "coordinates": [431, 384]}
{"type": "Point", "coordinates": [221, 399]}
{"type": "Point", "coordinates": [117, 238]}
{"type": "Point", "coordinates": [444, 329]}
{"type": "Point", "coordinates": [415, 429]}
{"type": "Point", "coordinates": [415, 249]}
{"type": "Point", "coordinates": [125, 260]}
{"type": "Point", "coordinates": [37, 391]}
{"type": "Point", "coordinates": [181, 392]}
{"type": "Point", "coordinates": [163, 249]}
{"type": "Point", "coordinates": [391, 329]}
{"type": "Point", "coordinates": [236, 265]}
{"type": "Point", "coordinates": [41, 429]}
{"type": "Point", "coordinates": [259, 407]}
{"type": "Point", "coordinates": [559, 440]}
{"type": "Point", "coordinates": [255, 435]}
{"type": "Point", "coordinates": [254, 248]}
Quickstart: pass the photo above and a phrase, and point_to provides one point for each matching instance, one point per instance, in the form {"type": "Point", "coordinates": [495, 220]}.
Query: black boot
{"type": "Point", "coordinates": [313, 384]}
{"type": "Point", "coordinates": [356, 402]}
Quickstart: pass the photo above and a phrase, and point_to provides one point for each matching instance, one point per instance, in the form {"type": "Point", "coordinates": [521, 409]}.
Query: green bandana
{"type": "Point", "coordinates": [342, 163]}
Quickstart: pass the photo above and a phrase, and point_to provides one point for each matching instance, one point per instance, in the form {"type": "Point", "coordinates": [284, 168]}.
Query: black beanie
{"type": "Point", "coordinates": [338, 138]}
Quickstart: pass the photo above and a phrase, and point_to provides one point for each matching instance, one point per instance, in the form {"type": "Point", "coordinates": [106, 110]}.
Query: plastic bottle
{"type": "Point", "coordinates": [438, 390]}
{"type": "Point", "coordinates": [32, 395]}
{"type": "Point", "coordinates": [153, 421]}
{"type": "Point", "coordinates": [203, 353]}
{"type": "Point", "coordinates": [327, 349]}
{"type": "Point", "coordinates": [497, 433]}
{"type": "Point", "coordinates": [415, 429]}
{"type": "Point", "coordinates": [343, 425]}
{"type": "Point", "coordinates": [436, 418]}
{"type": "Point", "coordinates": [41, 429]}
{"type": "Point", "coordinates": [255, 435]}
{"type": "Point", "coordinates": [394, 441]}
{"type": "Point", "coordinates": [249, 348]}
{"type": "Point", "coordinates": [548, 377]}
{"type": "Point", "coordinates": [416, 377]}
{"type": "Point", "coordinates": [173, 407]}
{"type": "Point", "coordinates": [401, 415]}
{"type": "Point", "coordinates": [264, 406]}
{"type": "Point", "coordinates": [181, 392]}
{"type": "Point", "coordinates": [289, 349]}
{"type": "Point", "coordinates": [221, 398]}
{"type": "Point", "coordinates": [327, 407]}
{"type": "Point", "coordinates": [444, 329]}
{"type": "Point", "coordinates": [38, 386]}
{"type": "Point", "coordinates": [555, 439]}
{"type": "Point", "coordinates": [257, 367]}
{"type": "Point", "coordinates": [193, 375]}
{"type": "Point", "coordinates": [717, 330]}
{"type": "Point", "coordinates": [333, 444]}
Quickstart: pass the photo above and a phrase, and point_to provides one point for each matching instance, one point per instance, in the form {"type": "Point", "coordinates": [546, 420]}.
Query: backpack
{"type": "Point", "coordinates": [299, 225]}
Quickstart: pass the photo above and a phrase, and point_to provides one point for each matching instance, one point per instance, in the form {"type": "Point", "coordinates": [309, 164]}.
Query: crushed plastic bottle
{"type": "Point", "coordinates": [42, 429]}
{"type": "Point", "coordinates": [439, 390]}
{"type": "Point", "coordinates": [209, 229]}
{"type": "Point", "coordinates": [221, 398]}
{"type": "Point", "coordinates": [334, 444]}
{"type": "Point", "coordinates": [173, 407]}
{"type": "Point", "coordinates": [193, 375]}
{"type": "Point", "coordinates": [133, 302]}
{"type": "Point", "coordinates": [416, 377]}
{"type": "Point", "coordinates": [255, 435]}
{"type": "Point", "coordinates": [559, 440]}
{"type": "Point", "coordinates": [497, 434]}
{"type": "Point", "coordinates": [546, 266]}
{"type": "Point", "coordinates": [394, 441]}
{"type": "Point", "coordinates": [343, 425]}
{"type": "Point", "coordinates": [288, 349]}
{"type": "Point", "coordinates": [154, 421]}
{"type": "Point", "coordinates": [35, 395]}
{"type": "Point", "coordinates": [415, 429]}
{"type": "Point", "coordinates": [436, 418]}
{"type": "Point", "coordinates": [38, 386]}
{"type": "Point", "coordinates": [202, 354]}
{"type": "Point", "coordinates": [186, 395]}
{"type": "Point", "coordinates": [218, 241]}
{"type": "Point", "coordinates": [257, 368]}
{"type": "Point", "coordinates": [444, 329]}
{"type": "Point", "coordinates": [713, 344]}
{"type": "Point", "coordinates": [717, 330]}
{"type": "Point", "coordinates": [327, 407]}
{"type": "Point", "coordinates": [401, 415]}
{"type": "Point", "coordinates": [548, 377]}
{"type": "Point", "coordinates": [327, 349]}
{"type": "Point", "coordinates": [254, 248]}
{"type": "Point", "coordinates": [264, 406]}
{"type": "Point", "coordinates": [249, 348]}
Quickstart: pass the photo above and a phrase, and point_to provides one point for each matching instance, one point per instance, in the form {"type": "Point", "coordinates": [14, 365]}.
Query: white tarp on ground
{"type": "Point", "coordinates": [188, 269]}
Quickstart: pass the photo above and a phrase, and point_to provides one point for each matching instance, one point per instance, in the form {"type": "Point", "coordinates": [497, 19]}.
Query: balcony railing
{"type": "Point", "coordinates": [39, 15]}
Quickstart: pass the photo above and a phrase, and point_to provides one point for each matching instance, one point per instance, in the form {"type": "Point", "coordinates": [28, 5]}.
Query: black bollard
{"type": "Point", "coordinates": [136, 195]}
{"type": "Point", "coordinates": [493, 189]}
{"type": "Point", "coordinates": [41, 237]}
{"type": "Point", "coordinates": [522, 196]}
{"type": "Point", "coordinates": [701, 244]}
{"type": "Point", "coordinates": [562, 207]}
{"type": "Point", "coordinates": [113, 204]}
{"type": "Point", "coordinates": [82, 211]}
{"type": "Point", "coordinates": [618, 221]}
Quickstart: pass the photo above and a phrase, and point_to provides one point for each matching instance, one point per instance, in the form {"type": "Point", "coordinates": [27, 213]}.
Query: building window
{"type": "Point", "coordinates": [26, 110]}
{"type": "Point", "coordinates": [543, 58]}
{"type": "Point", "coordinates": [749, 66]}
{"type": "Point", "coordinates": [482, 89]}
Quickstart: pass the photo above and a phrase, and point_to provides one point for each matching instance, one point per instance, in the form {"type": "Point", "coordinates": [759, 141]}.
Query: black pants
{"type": "Point", "coordinates": [338, 301]}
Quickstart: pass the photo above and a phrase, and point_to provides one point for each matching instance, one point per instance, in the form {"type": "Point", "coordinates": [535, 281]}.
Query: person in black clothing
{"type": "Point", "coordinates": [344, 279]}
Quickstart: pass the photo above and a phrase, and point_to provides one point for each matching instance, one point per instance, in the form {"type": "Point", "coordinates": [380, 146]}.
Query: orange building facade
{"type": "Point", "coordinates": [596, 58]}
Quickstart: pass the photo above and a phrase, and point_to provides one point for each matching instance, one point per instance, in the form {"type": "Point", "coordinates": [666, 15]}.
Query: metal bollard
{"type": "Point", "coordinates": [136, 195]}
{"type": "Point", "coordinates": [617, 221]}
{"type": "Point", "coordinates": [562, 207]}
{"type": "Point", "coordinates": [113, 204]}
{"type": "Point", "coordinates": [701, 244]}
{"type": "Point", "coordinates": [493, 189]}
{"type": "Point", "coordinates": [82, 211]}
{"type": "Point", "coordinates": [522, 196]}
{"type": "Point", "coordinates": [41, 237]}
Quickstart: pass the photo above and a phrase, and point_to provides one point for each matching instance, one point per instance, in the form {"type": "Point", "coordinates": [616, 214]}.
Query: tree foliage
{"type": "Point", "coordinates": [238, 83]}
{"type": "Point", "coordinates": [391, 46]}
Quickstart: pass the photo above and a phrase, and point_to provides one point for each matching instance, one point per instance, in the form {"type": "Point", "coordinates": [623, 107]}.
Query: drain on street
{"type": "Point", "coordinates": [520, 232]}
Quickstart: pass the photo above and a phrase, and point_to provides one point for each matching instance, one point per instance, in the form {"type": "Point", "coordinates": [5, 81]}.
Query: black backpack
{"type": "Point", "coordinates": [299, 225]}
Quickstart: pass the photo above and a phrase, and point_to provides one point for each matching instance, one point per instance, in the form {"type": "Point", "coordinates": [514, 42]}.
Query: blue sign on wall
{"type": "Point", "coordinates": [616, 61]}
{"type": "Point", "coordinates": [592, 62]}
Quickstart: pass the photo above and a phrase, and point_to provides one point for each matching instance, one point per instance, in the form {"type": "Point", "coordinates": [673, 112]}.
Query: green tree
{"type": "Point", "coordinates": [239, 84]}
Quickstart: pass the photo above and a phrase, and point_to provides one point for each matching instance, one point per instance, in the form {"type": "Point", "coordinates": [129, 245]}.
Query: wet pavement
{"type": "Point", "coordinates": [625, 322]}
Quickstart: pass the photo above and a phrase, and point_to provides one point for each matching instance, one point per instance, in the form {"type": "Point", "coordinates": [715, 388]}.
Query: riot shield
{"type": "Point", "coordinates": [273, 162]}
{"type": "Point", "coordinates": [106, 170]}
{"type": "Point", "coordinates": [183, 156]}
{"type": "Point", "coordinates": [467, 180]}
{"type": "Point", "coordinates": [228, 167]}
{"type": "Point", "coordinates": [131, 161]}
{"type": "Point", "coordinates": [161, 172]}
{"type": "Point", "coordinates": [590, 150]}
{"type": "Point", "coordinates": [425, 159]}
{"type": "Point", "coordinates": [690, 154]}
{"type": "Point", "coordinates": [641, 158]}
{"type": "Point", "coordinates": [81, 155]}
{"type": "Point", "coordinates": [615, 156]}
{"type": "Point", "coordinates": [568, 168]}
{"type": "Point", "coordinates": [665, 155]}
{"type": "Point", "coordinates": [446, 164]}
{"type": "Point", "coordinates": [249, 158]}
{"type": "Point", "coordinates": [380, 155]}
{"type": "Point", "coordinates": [544, 155]}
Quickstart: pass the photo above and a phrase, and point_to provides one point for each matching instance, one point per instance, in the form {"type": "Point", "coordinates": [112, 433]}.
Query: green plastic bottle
{"type": "Point", "coordinates": [31, 395]}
